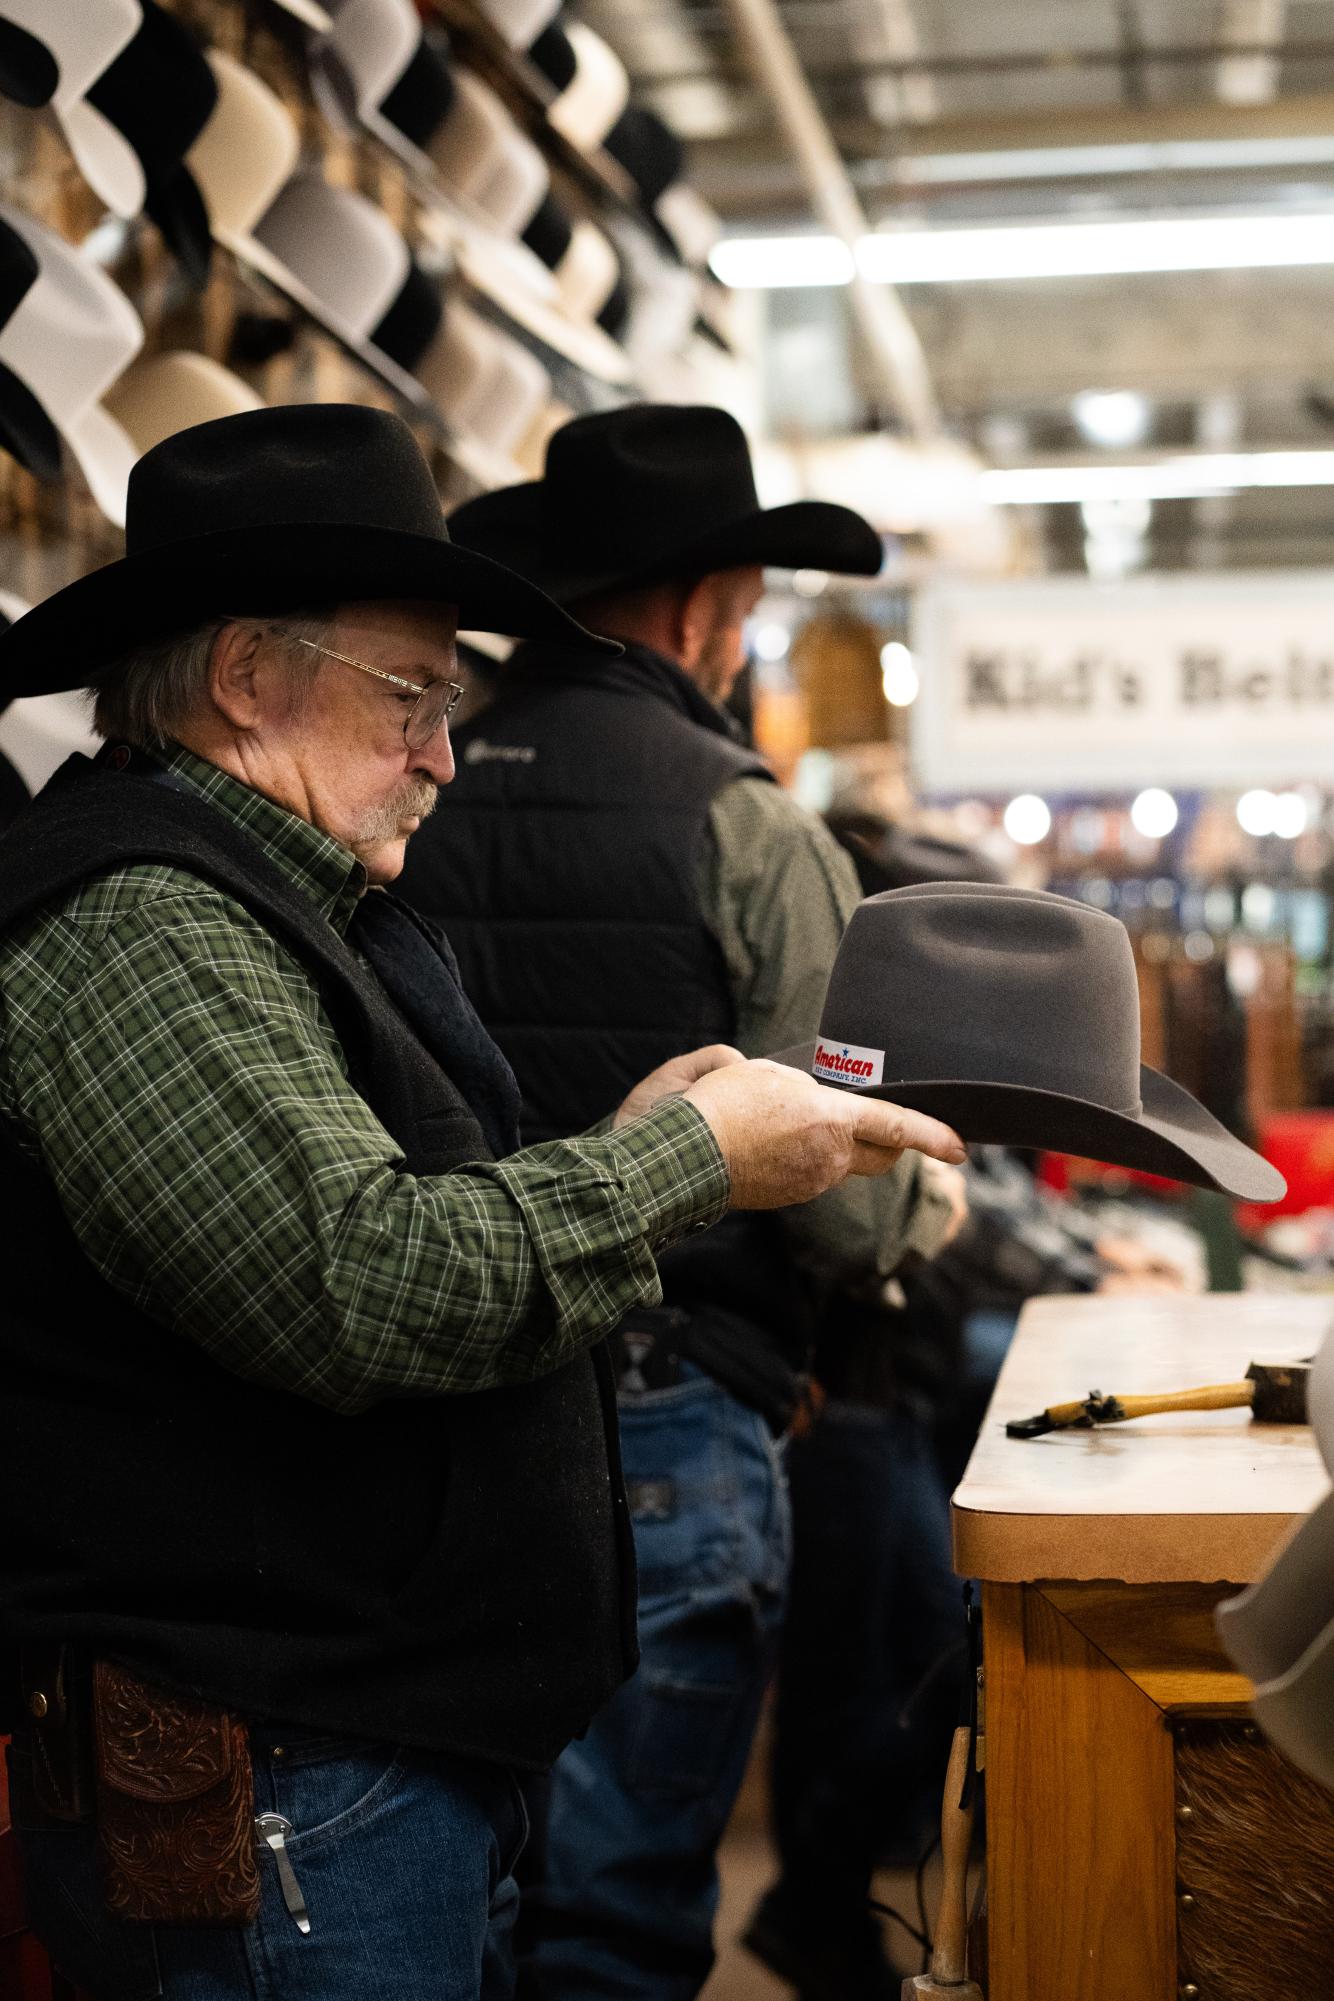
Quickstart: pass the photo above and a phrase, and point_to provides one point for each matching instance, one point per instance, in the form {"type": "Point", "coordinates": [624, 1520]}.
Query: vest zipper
{"type": "Point", "coordinates": [273, 1831]}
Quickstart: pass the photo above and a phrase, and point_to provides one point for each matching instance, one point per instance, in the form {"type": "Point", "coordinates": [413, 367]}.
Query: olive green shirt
{"type": "Point", "coordinates": [170, 1065]}
{"type": "Point", "coordinates": [777, 894]}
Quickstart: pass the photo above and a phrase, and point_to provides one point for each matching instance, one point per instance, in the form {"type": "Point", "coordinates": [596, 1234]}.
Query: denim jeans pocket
{"type": "Point", "coordinates": [680, 1737]}
{"type": "Point", "coordinates": [324, 1787]}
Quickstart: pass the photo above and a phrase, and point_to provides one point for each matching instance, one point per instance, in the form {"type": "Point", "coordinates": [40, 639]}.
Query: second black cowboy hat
{"type": "Point", "coordinates": [1014, 1016]}
{"type": "Point", "coordinates": [649, 491]}
{"type": "Point", "coordinates": [269, 511]}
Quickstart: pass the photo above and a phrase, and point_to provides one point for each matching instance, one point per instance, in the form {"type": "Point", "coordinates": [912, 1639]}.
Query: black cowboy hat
{"type": "Point", "coordinates": [1014, 1016]}
{"type": "Point", "coordinates": [649, 491]}
{"type": "Point", "coordinates": [159, 94]}
{"type": "Point", "coordinates": [26, 432]}
{"type": "Point", "coordinates": [266, 512]}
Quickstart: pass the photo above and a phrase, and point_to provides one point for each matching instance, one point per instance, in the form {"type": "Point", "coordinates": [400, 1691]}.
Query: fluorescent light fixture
{"type": "Point", "coordinates": [1032, 250]}
{"type": "Point", "coordinates": [767, 263]}
{"type": "Point", "coordinates": [1097, 249]}
{"type": "Point", "coordinates": [1190, 476]}
{"type": "Point", "coordinates": [1042, 163]}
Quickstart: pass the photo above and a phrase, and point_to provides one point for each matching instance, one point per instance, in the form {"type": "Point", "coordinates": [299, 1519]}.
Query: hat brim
{"type": "Point", "coordinates": [495, 270]}
{"type": "Point", "coordinates": [1281, 1633]}
{"type": "Point", "coordinates": [175, 204]}
{"type": "Point", "coordinates": [269, 567]}
{"type": "Point", "coordinates": [105, 158]}
{"type": "Point", "coordinates": [1173, 1136]}
{"type": "Point", "coordinates": [804, 535]}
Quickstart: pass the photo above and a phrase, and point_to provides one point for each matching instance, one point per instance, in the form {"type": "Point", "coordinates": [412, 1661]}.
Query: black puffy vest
{"type": "Point", "coordinates": [564, 862]}
{"type": "Point", "coordinates": [451, 1572]}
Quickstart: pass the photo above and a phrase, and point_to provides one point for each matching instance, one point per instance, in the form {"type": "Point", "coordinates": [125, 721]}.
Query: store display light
{"type": "Point", "coordinates": [1290, 815]}
{"type": "Point", "coordinates": [1116, 419]}
{"type": "Point", "coordinates": [1183, 476]}
{"type": "Point", "coordinates": [770, 642]}
{"type": "Point", "coordinates": [898, 675]}
{"type": "Point", "coordinates": [1027, 820]}
{"type": "Point", "coordinates": [1255, 812]}
{"type": "Point", "coordinates": [1154, 813]}
{"type": "Point", "coordinates": [810, 583]}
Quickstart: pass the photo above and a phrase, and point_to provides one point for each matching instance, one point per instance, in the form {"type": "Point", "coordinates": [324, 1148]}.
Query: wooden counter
{"type": "Point", "coordinates": [1102, 1555]}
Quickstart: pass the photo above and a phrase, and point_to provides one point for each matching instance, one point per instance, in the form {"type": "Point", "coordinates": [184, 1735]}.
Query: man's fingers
{"type": "Point", "coordinates": [877, 1123]}
{"type": "Point", "coordinates": [701, 1062]}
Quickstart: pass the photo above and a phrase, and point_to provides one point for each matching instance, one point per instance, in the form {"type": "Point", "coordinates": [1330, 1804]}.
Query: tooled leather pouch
{"type": "Point", "coordinates": [175, 1805]}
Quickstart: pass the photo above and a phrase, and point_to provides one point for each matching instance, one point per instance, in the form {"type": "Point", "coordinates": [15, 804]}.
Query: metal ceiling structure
{"type": "Point", "coordinates": [943, 114]}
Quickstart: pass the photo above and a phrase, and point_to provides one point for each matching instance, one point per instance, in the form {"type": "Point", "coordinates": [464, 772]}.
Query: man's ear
{"type": "Point", "coordinates": [696, 617]}
{"type": "Point", "coordinates": [232, 672]}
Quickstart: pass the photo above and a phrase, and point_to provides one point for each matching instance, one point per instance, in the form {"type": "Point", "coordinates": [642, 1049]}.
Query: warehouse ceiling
{"type": "Point", "coordinates": [947, 113]}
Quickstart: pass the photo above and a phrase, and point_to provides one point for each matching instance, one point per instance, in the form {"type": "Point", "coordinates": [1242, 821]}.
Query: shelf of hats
{"type": "Point", "coordinates": [453, 210]}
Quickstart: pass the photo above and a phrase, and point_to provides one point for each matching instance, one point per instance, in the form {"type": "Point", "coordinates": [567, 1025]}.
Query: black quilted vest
{"type": "Point", "coordinates": [564, 861]}
{"type": "Point", "coordinates": [446, 1572]}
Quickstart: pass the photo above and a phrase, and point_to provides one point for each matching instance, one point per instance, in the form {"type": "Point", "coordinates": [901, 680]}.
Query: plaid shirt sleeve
{"type": "Point", "coordinates": [188, 1096]}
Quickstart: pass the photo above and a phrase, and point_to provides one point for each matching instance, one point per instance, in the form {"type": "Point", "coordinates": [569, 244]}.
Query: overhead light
{"type": "Point", "coordinates": [1027, 820]}
{"type": "Point", "coordinates": [1189, 476]}
{"type": "Point", "coordinates": [1097, 249]}
{"type": "Point", "coordinates": [1115, 248]}
{"type": "Point", "coordinates": [1113, 418]}
{"type": "Point", "coordinates": [768, 263]}
{"type": "Point", "coordinates": [810, 583]}
{"type": "Point", "coordinates": [1153, 156]}
{"type": "Point", "coordinates": [1154, 813]}
{"type": "Point", "coordinates": [898, 675]}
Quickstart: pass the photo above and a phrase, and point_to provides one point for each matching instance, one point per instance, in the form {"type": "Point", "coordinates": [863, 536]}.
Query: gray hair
{"type": "Point", "coordinates": [146, 696]}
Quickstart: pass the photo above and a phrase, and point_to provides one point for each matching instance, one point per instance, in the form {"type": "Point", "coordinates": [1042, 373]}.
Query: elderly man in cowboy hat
{"type": "Point", "coordinates": [314, 1527]}
{"type": "Point", "coordinates": [621, 879]}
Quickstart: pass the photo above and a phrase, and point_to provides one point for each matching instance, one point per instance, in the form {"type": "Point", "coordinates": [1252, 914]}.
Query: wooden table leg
{"type": "Point", "coordinates": [1080, 1834]}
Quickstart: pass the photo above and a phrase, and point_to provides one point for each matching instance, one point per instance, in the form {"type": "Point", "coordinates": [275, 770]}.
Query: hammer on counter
{"type": "Point", "coordinates": [1275, 1392]}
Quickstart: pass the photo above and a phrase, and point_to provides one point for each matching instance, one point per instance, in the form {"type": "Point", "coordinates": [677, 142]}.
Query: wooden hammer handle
{"type": "Point", "coordinates": [1214, 1396]}
{"type": "Point", "coordinates": [950, 1955]}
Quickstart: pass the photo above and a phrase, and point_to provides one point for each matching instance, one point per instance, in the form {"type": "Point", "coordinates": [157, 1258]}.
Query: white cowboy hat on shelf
{"type": "Point", "coordinates": [499, 178]}
{"type": "Point", "coordinates": [585, 111]}
{"type": "Point", "coordinates": [1281, 1631]}
{"type": "Point", "coordinates": [165, 393]}
{"type": "Point", "coordinates": [692, 225]}
{"type": "Point", "coordinates": [519, 22]}
{"type": "Point", "coordinates": [353, 69]}
{"type": "Point", "coordinates": [489, 388]}
{"type": "Point", "coordinates": [308, 12]}
{"type": "Point", "coordinates": [244, 154]}
{"type": "Point", "coordinates": [83, 38]}
{"type": "Point", "coordinates": [38, 732]}
{"type": "Point", "coordinates": [69, 338]}
{"type": "Point", "coordinates": [341, 259]}
{"type": "Point", "coordinates": [588, 273]}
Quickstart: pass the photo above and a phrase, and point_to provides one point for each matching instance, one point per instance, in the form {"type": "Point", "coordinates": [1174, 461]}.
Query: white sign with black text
{"type": "Point", "coordinates": [1078, 686]}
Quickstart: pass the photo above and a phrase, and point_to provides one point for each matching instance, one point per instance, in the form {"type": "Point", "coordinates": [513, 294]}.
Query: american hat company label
{"type": "Point", "coordinates": [845, 1063]}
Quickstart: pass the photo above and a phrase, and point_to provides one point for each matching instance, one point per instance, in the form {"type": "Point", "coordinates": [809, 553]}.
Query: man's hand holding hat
{"type": "Point", "coordinates": [784, 1137]}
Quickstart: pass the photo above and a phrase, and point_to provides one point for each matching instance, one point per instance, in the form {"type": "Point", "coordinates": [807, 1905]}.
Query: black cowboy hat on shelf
{"type": "Point", "coordinates": [159, 94]}
{"type": "Point", "coordinates": [649, 491]}
{"type": "Point", "coordinates": [1013, 1015]}
{"type": "Point", "coordinates": [26, 432]}
{"type": "Point", "coordinates": [266, 512]}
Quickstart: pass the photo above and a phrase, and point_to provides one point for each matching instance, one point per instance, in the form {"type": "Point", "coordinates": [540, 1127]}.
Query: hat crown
{"type": "Point", "coordinates": [983, 983]}
{"type": "Point", "coordinates": [73, 331]}
{"type": "Point", "coordinates": [623, 474]}
{"type": "Point", "coordinates": [337, 464]}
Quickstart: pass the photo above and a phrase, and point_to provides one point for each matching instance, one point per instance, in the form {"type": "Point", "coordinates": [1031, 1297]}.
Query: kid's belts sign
{"type": "Point", "coordinates": [1082, 686]}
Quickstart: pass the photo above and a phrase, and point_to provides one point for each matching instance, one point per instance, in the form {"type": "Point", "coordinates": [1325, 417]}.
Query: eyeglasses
{"type": "Point", "coordinates": [435, 703]}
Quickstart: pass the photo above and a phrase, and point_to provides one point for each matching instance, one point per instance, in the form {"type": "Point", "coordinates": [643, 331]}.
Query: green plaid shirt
{"type": "Point", "coordinates": [171, 1067]}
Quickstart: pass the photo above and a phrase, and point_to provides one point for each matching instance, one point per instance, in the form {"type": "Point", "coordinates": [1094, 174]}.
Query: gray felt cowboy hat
{"type": "Point", "coordinates": [1014, 1016]}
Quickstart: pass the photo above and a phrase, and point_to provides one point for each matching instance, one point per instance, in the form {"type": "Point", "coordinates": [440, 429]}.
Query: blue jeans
{"type": "Point", "coordinates": [625, 1897]}
{"type": "Point", "coordinates": [872, 1661]}
{"type": "Point", "coordinates": [405, 1861]}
